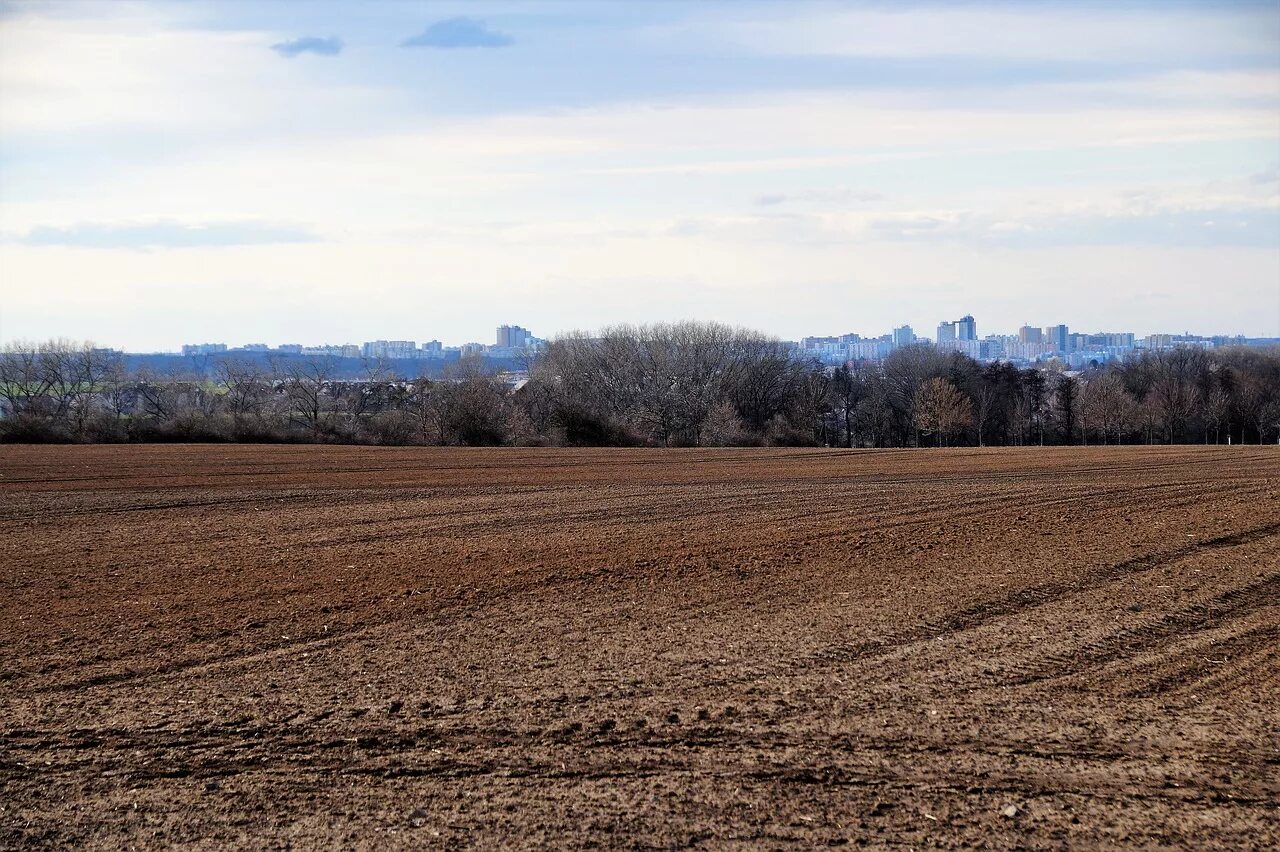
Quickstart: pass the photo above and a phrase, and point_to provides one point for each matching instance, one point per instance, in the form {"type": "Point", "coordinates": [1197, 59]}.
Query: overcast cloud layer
{"type": "Point", "coordinates": [322, 172]}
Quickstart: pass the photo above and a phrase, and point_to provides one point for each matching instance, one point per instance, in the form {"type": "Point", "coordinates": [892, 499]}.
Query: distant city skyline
{"type": "Point", "coordinates": [1028, 343]}
{"type": "Point", "coordinates": [424, 334]}
{"type": "Point", "coordinates": [175, 171]}
{"type": "Point", "coordinates": [924, 331]}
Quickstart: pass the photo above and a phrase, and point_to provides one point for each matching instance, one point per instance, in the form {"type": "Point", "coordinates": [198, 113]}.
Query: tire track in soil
{"type": "Point", "coordinates": [810, 746]}
{"type": "Point", "coordinates": [977, 616]}
{"type": "Point", "coordinates": [1248, 656]}
{"type": "Point", "coordinates": [1039, 595]}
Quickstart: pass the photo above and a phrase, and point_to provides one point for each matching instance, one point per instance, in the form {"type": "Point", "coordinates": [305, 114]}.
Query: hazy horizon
{"type": "Point", "coordinates": [234, 341]}
{"type": "Point", "coordinates": [318, 172]}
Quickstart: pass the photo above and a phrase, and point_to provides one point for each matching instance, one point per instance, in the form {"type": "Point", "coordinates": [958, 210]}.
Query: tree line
{"type": "Point", "coordinates": [677, 384]}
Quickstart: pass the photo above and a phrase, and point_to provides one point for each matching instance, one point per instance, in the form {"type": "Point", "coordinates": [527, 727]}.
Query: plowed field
{"type": "Point", "coordinates": [357, 646]}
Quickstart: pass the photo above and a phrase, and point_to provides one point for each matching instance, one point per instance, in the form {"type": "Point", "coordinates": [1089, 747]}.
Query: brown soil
{"type": "Point", "coordinates": [340, 646]}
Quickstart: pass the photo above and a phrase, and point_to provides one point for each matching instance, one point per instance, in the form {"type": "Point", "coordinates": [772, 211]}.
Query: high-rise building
{"type": "Point", "coordinates": [1057, 336]}
{"type": "Point", "coordinates": [1120, 339]}
{"type": "Point", "coordinates": [903, 336]}
{"type": "Point", "coordinates": [966, 328]}
{"type": "Point", "coordinates": [203, 348]}
{"type": "Point", "coordinates": [1030, 334]}
{"type": "Point", "coordinates": [513, 337]}
{"type": "Point", "coordinates": [866, 350]}
{"type": "Point", "coordinates": [946, 332]}
{"type": "Point", "coordinates": [389, 349]}
{"type": "Point", "coordinates": [995, 345]}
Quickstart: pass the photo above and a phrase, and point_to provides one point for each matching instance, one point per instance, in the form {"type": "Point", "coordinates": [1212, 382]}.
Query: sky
{"type": "Point", "coordinates": [330, 172]}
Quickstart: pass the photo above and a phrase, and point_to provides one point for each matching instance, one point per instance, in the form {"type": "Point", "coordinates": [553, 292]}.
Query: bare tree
{"type": "Point", "coordinates": [429, 403]}
{"type": "Point", "coordinates": [1031, 404]}
{"type": "Point", "coordinates": [56, 364]}
{"type": "Point", "coordinates": [1255, 400]}
{"type": "Point", "coordinates": [679, 383]}
{"type": "Point", "coordinates": [1214, 408]}
{"type": "Point", "coordinates": [875, 416]}
{"type": "Point", "coordinates": [723, 427]}
{"type": "Point", "coordinates": [1066, 394]}
{"type": "Point", "coordinates": [1173, 401]}
{"type": "Point", "coordinates": [942, 410]}
{"type": "Point", "coordinates": [847, 389]}
{"type": "Point", "coordinates": [117, 387]}
{"type": "Point", "coordinates": [985, 400]}
{"type": "Point", "coordinates": [1270, 418]}
{"type": "Point", "coordinates": [157, 397]}
{"type": "Point", "coordinates": [247, 393]}
{"type": "Point", "coordinates": [904, 373]}
{"type": "Point", "coordinates": [305, 383]}
{"type": "Point", "coordinates": [24, 384]}
{"type": "Point", "coordinates": [1104, 402]}
{"type": "Point", "coordinates": [664, 380]}
{"type": "Point", "coordinates": [477, 415]}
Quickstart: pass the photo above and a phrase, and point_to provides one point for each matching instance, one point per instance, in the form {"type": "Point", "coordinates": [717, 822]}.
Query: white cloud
{"type": "Point", "coordinates": [129, 68]}
{"type": "Point", "coordinates": [146, 235]}
{"type": "Point", "coordinates": [342, 292]}
{"type": "Point", "coordinates": [635, 210]}
{"type": "Point", "coordinates": [1031, 32]}
{"type": "Point", "coordinates": [523, 163]}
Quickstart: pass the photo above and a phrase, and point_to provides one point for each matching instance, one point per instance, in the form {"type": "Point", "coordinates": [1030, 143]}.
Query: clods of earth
{"type": "Point", "coordinates": [240, 646]}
